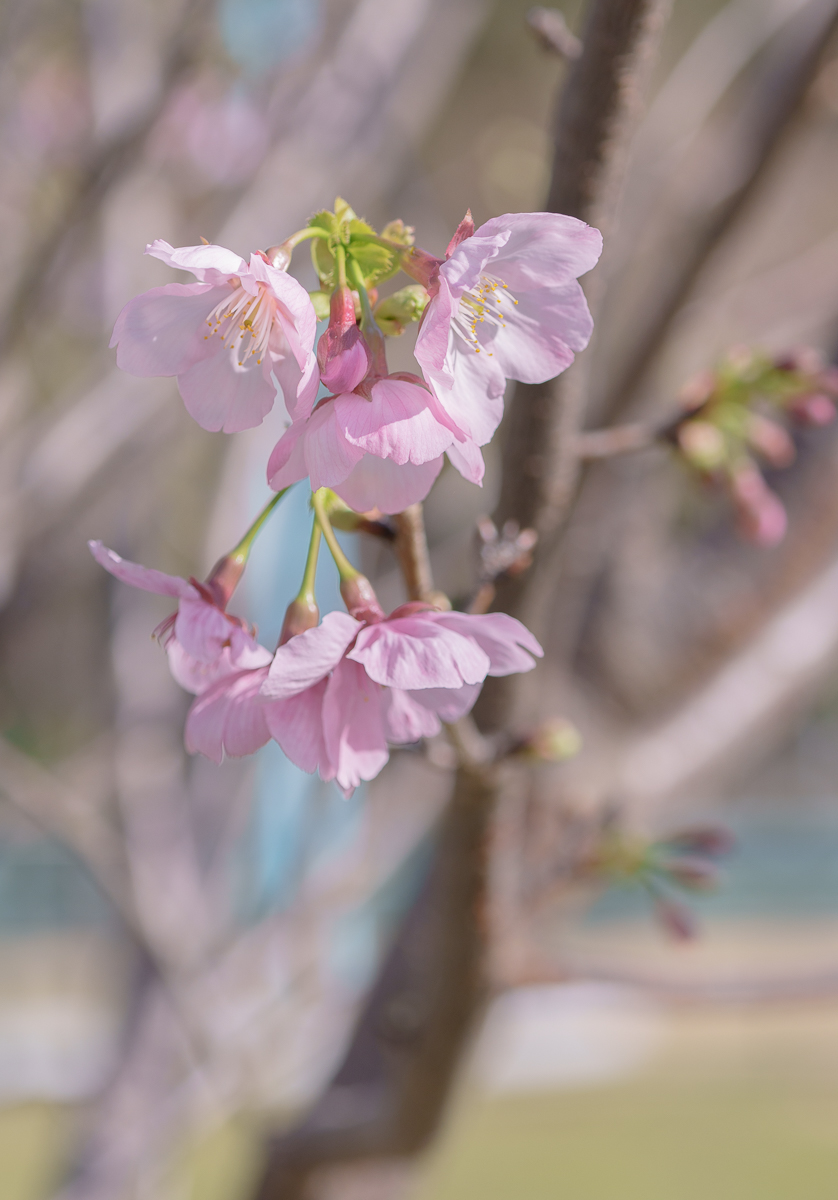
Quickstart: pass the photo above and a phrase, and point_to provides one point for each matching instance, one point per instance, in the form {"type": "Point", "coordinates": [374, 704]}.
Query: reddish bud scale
{"type": "Point", "coordinates": [300, 615]}
{"type": "Point", "coordinates": [360, 600]}
{"type": "Point", "coordinates": [224, 577]}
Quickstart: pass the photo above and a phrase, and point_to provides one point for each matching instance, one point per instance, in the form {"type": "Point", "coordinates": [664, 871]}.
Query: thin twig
{"type": "Point", "coordinates": [412, 552]}
{"type": "Point", "coordinates": [619, 439]}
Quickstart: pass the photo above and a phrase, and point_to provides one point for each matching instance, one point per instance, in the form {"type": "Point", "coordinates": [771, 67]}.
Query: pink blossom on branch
{"type": "Point", "coordinates": [226, 337]}
{"type": "Point", "coordinates": [339, 693]}
{"type": "Point", "coordinates": [505, 304]}
{"type": "Point", "coordinates": [379, 446]}
{"type": "Point", "coordinates": [204, 643]}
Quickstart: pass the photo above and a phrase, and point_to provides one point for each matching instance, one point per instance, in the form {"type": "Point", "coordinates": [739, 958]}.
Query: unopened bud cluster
{"type": "Point", "coordinates": [739, 416]}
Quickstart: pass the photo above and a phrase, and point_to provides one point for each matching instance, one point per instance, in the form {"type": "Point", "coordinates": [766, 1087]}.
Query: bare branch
{"type": "Point", "coordinates": [550, 28]}
{"type": "Point", "coordinates": [412, 551]}
{"type": "Point", "coordinates": [620, 439]}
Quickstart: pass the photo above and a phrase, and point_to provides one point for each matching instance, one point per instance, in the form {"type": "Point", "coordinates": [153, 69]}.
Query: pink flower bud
{"type": "Point", "coordinates": [697, 390]}
{"type": "Point", "coordinates": [814, 409]}
{"type": "Point", "coordinates": [771, 440]}
{"type": "Point", "coordinates": [342, 354]}
{"type": "Point", "coordinates": [360, 599]}
{"type": "Point", "coordinates": [762, 517]}
{"type": "Point", "coordinates": [702, 444]}
{"type": "Point", "coordinates": [300, 615]}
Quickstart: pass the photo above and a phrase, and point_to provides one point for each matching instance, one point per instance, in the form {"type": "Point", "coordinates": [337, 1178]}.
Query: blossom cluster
{"type": "Point", "coordinates": [731, 423]}
{"type": "Point", "coordinates": [503, 303]}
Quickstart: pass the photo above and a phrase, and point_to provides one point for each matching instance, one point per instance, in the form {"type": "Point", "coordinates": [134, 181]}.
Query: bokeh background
{"type": "Point", "coordinates": [615, 1061]}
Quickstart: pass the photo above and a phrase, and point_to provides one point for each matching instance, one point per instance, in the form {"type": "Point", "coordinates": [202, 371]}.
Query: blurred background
{"type": "Point", "coordinates": [616, 1060]}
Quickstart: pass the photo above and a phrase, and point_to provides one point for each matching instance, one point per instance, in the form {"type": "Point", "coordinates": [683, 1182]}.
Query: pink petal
{"type": "Point", "coordinates": [294, 309]}
{"type": "Point", "coordinates": [223, 394]}
{"type": "Point", "coordinates": [414, 652]}
{"type": "Point", "coordinates": [209, 263]}
{"type": "Point", "coordinates": [434, 331]}
{"type": "Point", "coordinates": [541, 333]}
{"type": "Point", "coordinates": [405, 720]}
{"type": "Point", "coordinates": [507, 643]}
{"type": "Point", "coordinates": [329, 456]}
{"type": "Point", "coordinates": [287, 463]}
{"type": "Point", "coordinates": [193, 674]}
{"type": "Point", "coordinates": [142, 577]}
{"type": "Point", "coordinates": [299, 388]}
{"type": "Point", "coordinates": [306, 658]}
{"type": "Point", "coordinates": [542, 249]}
{"type": "Point", "coordinates": [397, 423]}
{"type": "Point", "coordinates": [468, 262]}
{"type": "Point", "coordinates": [381, 483]}
{"type": "Point", "coordinates": [163, 331]}
{"type": "Point", "coordinates": [229, 718]}
{"type": "Point", "coordinates": [474, 396]}
{"type": "Point", "coordinates": [449, 704]}
{"type": "Point", "coordinates": [468, 460]}
{"type": "Point", "coordinates": [296, 725]}
{"type": "Point", "coordinates": [202, 629]}
{"type": "Point", "coordinates": [353, 725]}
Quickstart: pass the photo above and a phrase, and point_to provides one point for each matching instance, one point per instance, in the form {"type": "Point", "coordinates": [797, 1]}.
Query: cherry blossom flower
{"type": "Point", "coordinates": [505, 304]}
{"type": "Point", "coordinates": [339, 693]}
{"type": "Point", "coordinates": [379, 446]}
{"type": "Point", "coordinates": [226, 337]}
{"type": "Point", "coordinates": [204, 643]}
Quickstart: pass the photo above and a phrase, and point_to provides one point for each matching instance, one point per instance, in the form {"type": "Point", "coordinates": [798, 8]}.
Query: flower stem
{"type": "Point", "coordinates": [340, 260]}
{"type": "Point", "coordinates": [303, 235]}
{"type": "Point", "coordinates": [344, 566]}
{"type": "Point", "coordinates": [243, 548]}
{"type": "Point", "coordinates": [306, 591]}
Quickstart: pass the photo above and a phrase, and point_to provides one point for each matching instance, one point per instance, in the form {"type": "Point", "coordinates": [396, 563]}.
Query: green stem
{"type": "Point", "coordinates": [303, 235]}
{"type": "Point", "coordinates": [242, 549]}
{"type": "Point", "coordinates": [378, 240]}
{"type": "Point", "coordinates": [340, 260]}
{"type": "Point", "coordinates": [307, 587]}
{"type": "Point", "coordinates": [369, 326]}
{"type": "Point", "coordinates": [344, 566]}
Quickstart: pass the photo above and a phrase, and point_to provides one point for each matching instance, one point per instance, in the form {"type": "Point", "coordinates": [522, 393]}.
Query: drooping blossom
{"type": "Point", "coordinates": [379, 446]}
{"type": "Point", "coordinates": [204, 643]}
{"type": "Point", "coordinates": [226, 337]}
{"type": "Point", "coordinates": [338, 694]}
{"type": "Point", "coordinates": [505, 304]}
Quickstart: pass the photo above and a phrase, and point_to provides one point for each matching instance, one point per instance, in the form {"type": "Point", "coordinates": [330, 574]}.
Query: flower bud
{"type": "Point", "coordinates": [813, 409]}
{"type": "Point", "coordinates": [762, 517]}
{"type": "Point", "coordinates": [279, 256]}
{"type": "Point", "coordinates": [394, 314]}
{"type": "Point", "coordinates": [702, 444]}
{"type": "Point", "coordinates": [553, 741]}
{"type": "Point", "coordinates": [771, 440]}
{"type": "Point", "coordinates": [360, 599]}
{"type": "Point", "coordinates": [300, 615]}
{"type": "Point", "coordinates": [224, 577]}
{"type": "Point", "coordinates": [342, 354]}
